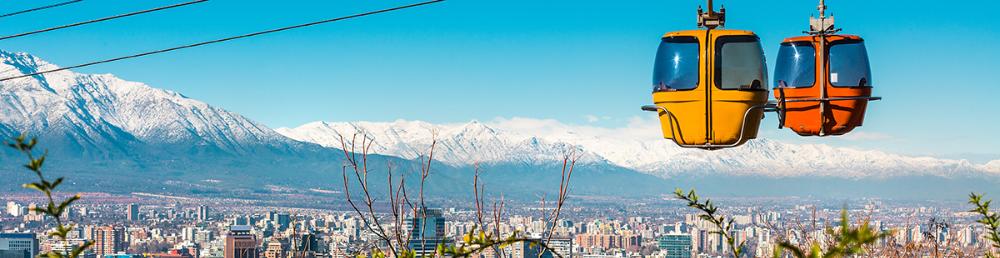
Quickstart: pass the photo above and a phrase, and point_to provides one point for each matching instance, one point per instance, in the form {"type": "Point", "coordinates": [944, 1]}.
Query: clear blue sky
{"type": "Point", "coordinates": [934, 62]}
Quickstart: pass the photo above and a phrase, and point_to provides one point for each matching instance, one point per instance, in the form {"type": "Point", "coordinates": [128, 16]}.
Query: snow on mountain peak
{"type": "Point", "coordinates": [993, 166]}
{"type": "Point", "coordinates": [635, 146]}
{"type": "Point", "coordinates": [97, 110]}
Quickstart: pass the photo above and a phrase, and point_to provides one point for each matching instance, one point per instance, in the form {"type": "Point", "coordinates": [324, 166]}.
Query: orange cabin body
{"type": "Point", "coordinates": [841, 73]}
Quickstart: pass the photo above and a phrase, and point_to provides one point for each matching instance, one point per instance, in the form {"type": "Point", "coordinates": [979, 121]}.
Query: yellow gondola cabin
{"type": "Point", "coordinates": [710, 86]}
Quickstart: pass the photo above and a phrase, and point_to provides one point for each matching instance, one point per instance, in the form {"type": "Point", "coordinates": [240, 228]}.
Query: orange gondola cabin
{"type": "Point", "coordinates": [823, 81]}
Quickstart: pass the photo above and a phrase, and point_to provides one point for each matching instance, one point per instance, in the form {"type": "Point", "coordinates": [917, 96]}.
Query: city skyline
{"type": "Point", "coordinates": [652, 228]}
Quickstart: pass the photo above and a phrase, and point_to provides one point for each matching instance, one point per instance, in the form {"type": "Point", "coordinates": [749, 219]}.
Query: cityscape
{"type": "Point", "coordinates": [161, 227]}
{"type": "Point", "coordinates": [499, 129]}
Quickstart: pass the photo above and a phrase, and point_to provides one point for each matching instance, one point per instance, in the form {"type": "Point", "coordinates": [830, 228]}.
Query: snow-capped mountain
{"type": "Point", "coordinates": [456, 144]}
{"type": "Point", "coordinates": [109, 134]}
{"type": "Point", "coordinates": [101, 114]}
{"type": "Point", "coordinates": [634, 147]}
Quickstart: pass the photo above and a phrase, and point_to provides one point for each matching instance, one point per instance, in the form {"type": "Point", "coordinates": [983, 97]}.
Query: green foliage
{"type": "Point", "coordinates": [990, 220]}
{"type": "Point", "coordinates": [477, 241]}
{"type": "Point", "coordinates": [710, 213]}
{"type": "Point", "coordinates": [847, 241]}
{"type": "Point", "coordinates": [61, 231]}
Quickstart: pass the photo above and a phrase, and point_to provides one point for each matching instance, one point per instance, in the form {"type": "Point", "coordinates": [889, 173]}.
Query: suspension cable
{"type": "Point", "coordinates": [39, 8]}
{"type": "Point", "coordinates": [226, 39]}
{"type": "Point", "coordinates": [100, 20]}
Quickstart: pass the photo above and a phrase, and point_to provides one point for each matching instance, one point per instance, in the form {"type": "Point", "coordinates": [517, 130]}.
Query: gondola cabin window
{"type": "Point", "coordinates": [676, 66]}
{"type": "Point", "coordinates": [740, 63]}
{"type": "Point", "coordinates": [796, 65]}
{"type": "Point", "coordinates": [849, 65]}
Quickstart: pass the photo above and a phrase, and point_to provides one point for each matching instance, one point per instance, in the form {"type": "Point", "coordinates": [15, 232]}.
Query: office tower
{"type": "Point", "coordinates": [18, 245]}
{"type": "Point", "coordinates": [132, 213]}
{"type": "Point", "coordinates": [308, 243]}
{"type": "Point", "coordinates": [108, 240]}
{"type": "Point", "coordinates": [69, 214]}
{"type": "Point", "coordinates": [240, 243]}
{"type": "Point", "coordinates": [241, 220]}
{"type": "Point", "coordinates": [677, 245]}
{"type": "Point", "coordinates": [284, 220]}
{"type": "Point", "coordinates": [14, 209]}
{"type": "Point", "coordinates": [203, 213]}
{"type": "Point", "coordinates": [426, 230]}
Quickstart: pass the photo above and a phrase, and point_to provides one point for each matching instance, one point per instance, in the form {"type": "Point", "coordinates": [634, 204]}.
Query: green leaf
{"type": "Point", "coordinates": [35, 186]}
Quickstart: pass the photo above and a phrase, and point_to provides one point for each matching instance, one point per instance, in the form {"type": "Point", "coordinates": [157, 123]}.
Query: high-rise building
{"type": "Point", "coordinates": [132, 213]}
{"type": "Point", "coordinates": [108, 240]}
{"type": "Point", "coordinates": [562, 246]}
{"type": "Point", "coordinates": [307, 243]}
{"type": "Point", "coordinates": [528, 250]}
{"type": "Point", "coordinates": [241, 220]}
{"type": "Point", "coordinates": [274, 250]}
{"type": "Point", "coordinates": [426, 230]}
{"type": "Point", "coordinates": [203, 213]}
{"type": "Point", "coordinates": [33, 214]}
{"type": "Point", "coordinates": [284, 220]}
{"type": "Point", "coordinates": [189, 234]}
{"type": "Point", "coordinates": [14, 209]}
{"type": "Point", "coordinates": [241, 243]}
{"type": "Point", "coordinates": [677, 245]}
{"type": "Point", "coordinates": [18, 245]}
{"type": "Point", "coordinates": [204, 236]}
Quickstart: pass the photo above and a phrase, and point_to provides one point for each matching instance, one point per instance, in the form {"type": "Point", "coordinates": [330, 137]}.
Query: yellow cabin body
{"type": "Point", "coordinates": [719, 103]}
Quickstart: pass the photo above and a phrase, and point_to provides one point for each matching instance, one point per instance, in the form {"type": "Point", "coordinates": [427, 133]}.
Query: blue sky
{"type": "Point", "coordinates": [934, 62]}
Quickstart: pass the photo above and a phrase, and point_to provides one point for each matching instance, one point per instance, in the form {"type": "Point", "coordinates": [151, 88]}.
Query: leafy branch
{"type": "Point", "coordinates": [56, 211]}
{"type": "Point", "coordinates": [476, 241]}
{"type": "Point", "coordinates": [847, 241]}
{"type": "Point", "coordinates": [991, 220]}
{"type": "Point", "coordinates": [710, 213]}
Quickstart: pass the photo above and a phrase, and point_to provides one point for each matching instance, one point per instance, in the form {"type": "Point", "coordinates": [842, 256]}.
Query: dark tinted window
{"type": "Point", "coordinates": [849, 65]}
{"type": "Point", "coordinates": [676, 66]}
{"type": "Point", "coordinates": [740, 63]}
{"type": "Point", "coordinates": [796, 65]}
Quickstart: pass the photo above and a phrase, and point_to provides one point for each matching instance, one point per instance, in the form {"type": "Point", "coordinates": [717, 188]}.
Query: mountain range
{"type": "Point", "coordinates": [532, 141]}
{"type": "Point", "coordinates": [120, 136]}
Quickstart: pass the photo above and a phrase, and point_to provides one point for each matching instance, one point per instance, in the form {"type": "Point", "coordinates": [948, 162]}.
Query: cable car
{"type": "Point", "coordinates": [709, 85]}
{"type": "Point", "coordinates": [823, 81]}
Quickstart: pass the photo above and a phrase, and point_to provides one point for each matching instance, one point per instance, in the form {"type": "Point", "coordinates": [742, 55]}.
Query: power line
{"type": "Point", "coordinates": [100, 20]}
{"type": "Point", "coordinates": [225, 39]}
{"type": "Point", "coordinates": [39, 8]}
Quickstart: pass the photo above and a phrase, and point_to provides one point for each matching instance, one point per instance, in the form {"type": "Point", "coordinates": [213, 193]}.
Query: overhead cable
{"type": "Point", "coordinates": [226, 39]}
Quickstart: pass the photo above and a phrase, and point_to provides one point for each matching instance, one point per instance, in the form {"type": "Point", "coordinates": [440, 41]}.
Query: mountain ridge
{"type": "Point", "coordinates": [109, 114]}
{"type": "Point", "coordinates": [114, 135]}
{"type": "Point", "coordinates": [650, 155]}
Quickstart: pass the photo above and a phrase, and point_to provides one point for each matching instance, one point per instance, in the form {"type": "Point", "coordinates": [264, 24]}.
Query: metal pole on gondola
{"type": "Point", "coordinates": [821, 28]}
{"type": "Point", "coordinates": [822, 46]}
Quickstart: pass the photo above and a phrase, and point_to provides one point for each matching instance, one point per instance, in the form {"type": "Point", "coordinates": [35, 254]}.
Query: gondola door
{"type": "Point", "coordinates": [738, 87]}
